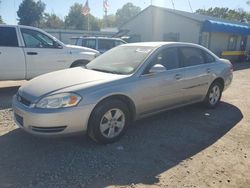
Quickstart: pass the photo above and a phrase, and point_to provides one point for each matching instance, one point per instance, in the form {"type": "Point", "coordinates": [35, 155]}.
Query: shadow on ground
{"type": "Point", "coordinates": [241, 66]}
{"type": "Point", "coordinates": [150, 147]}
{"type": "Point", "coordinates": [6, 95]}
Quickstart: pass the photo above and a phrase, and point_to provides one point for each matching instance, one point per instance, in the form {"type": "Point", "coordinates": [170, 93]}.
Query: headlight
{"type": "Point", "coordinates": [61, 100]}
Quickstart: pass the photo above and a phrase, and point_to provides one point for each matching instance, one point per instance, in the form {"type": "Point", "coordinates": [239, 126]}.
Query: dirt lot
{"type": "Point", "coordinates": [187, 147]}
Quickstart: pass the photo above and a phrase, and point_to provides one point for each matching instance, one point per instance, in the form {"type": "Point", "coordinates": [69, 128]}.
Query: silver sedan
{"type": "Point", "coordinates": [127, 83]}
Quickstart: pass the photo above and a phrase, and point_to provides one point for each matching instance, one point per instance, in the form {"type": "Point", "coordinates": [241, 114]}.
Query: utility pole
{"type": "Point", "coordinates": [173, 4]}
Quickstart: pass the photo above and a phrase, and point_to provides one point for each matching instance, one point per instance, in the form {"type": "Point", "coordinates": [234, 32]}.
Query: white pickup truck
{"type": "Point", "coordinates": [26, 52]}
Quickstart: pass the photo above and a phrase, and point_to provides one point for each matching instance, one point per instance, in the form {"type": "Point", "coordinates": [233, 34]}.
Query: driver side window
{"type": "Point", "coordinates": [167, 57]}
{"type": "Point", "coordinates": [35, 39]}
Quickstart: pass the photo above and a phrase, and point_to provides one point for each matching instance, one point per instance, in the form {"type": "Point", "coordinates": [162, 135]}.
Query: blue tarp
{"type": "Point", "coordinates": [223, 27]}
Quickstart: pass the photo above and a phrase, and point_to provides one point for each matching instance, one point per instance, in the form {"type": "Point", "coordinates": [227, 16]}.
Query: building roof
{"type": "Point", "coordinates": [192, 16]}
{"type": "Point", "coordinates": [216, 26]}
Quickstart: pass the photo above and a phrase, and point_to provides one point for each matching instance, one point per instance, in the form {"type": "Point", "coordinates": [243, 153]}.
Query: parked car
{"type": "Point", "coordinates": [127, 83]}
{"type": "Point", "coordinates": [26, 52]}
{"type": "Point", "coordinates": [102, 44]}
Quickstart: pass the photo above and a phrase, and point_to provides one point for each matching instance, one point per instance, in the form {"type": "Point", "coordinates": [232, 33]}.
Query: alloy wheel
{"type": "Point", "coordinates": [112, 123]}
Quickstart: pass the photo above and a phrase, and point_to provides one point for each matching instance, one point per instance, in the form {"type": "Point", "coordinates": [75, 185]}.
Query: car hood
{"type": "Point", "coordinates": [53, 82]}
{"type": "Point", "coordinates": [80, 49]}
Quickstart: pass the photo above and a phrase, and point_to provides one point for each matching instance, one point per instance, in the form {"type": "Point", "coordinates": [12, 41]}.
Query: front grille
{"type": "Point", "coordinates": [48, 129]}
{"type": "Point", "coordinates": [23, 100]}
{"type": "Point", "coordinates": [19, 119]}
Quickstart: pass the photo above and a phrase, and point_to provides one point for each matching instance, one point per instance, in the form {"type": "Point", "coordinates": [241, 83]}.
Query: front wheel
{"type": "Point", "coordinates": [213, 95]}
{"type": "Point", "coordinates": [108, 121]}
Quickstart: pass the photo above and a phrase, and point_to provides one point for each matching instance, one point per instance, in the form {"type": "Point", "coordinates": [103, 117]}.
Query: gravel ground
{"type": "Point", "coordinates": [187, 147]}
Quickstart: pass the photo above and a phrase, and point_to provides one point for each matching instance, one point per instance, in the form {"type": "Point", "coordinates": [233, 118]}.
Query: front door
{"type": "Point", "coordinates": [158, 91]}
{"type": "Point", "coordinates": [43, 55]}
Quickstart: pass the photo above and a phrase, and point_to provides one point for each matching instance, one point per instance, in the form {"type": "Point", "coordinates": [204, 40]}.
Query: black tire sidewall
{"type": "Point", "coordinates": [96, 116]}
{"type": "Point", "coordinates": [207, 102]}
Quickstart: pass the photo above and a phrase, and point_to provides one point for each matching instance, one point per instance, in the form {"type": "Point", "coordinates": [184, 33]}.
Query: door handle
{"type": "Point", "coordinates": [178, 76]}
{"type": "Point", "coordinates": [32, 53]}
{"type": "Point", "coordinates": [208, 70]}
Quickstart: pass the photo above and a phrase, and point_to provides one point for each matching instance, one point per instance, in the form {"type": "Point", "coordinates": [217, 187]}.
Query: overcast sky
{"type": "Point", "coordinates": [8, 8]}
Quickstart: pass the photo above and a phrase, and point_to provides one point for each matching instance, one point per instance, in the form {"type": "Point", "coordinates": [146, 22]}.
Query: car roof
{"type": "Point", "coordinates": [108, 38]}
{"type": "Point", "coordinates": [159, 44]}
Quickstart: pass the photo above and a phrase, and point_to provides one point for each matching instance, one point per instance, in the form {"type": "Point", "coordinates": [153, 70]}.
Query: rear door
{"type": "Point", "coordinates": [43, 54]}
{"type": "Point", "coordinates": [12, 59]}
{"type": "Point", "coordinates": [197, 73]}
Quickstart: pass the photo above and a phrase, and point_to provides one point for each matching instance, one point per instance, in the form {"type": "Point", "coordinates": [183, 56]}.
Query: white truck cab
{"type": "Point", "coordinates": [26, 52]}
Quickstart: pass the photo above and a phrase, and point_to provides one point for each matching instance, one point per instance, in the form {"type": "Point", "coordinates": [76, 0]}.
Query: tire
{"type": "Point", "coordinates": [109, 121]}
{"type": "Point", "coordinates": [213, 95]}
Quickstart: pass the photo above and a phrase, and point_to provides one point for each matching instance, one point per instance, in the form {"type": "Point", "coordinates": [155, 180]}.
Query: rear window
{"type": "Point", "coordinates": [105, 44]}
{"type": "Point", "coordinates": [89, 43]}
{"type": "Point", "coordinates": [8, 37]}
{"type": "Point", "coordinates": [191, 56]}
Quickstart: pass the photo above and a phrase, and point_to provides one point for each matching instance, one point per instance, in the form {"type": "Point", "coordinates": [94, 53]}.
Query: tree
{"type": "Point", "coordinates": [52, 21]}
{"type": "Point", "coordinates": [31, 12]}
{"type": "Point", "coordinates": [76, 20]}
{"type": "Point", "coordinates": [126, 13]}
{"type": "Point", "coordinates": [1, 20]}
{"type": "Point", "coordinates": [236, 15]}
{"type": "Point", "coordinates": [109, 21]}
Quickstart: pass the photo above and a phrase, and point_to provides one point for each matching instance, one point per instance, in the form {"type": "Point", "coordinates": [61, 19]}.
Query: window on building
{"type": "Point", "coordinates": [171, 37]}
{"type": "Point", "coordinates": [232, 42]}
{"type": "Point", "coordinates": [191, 56]}
{"type": "Point", "coordinates": [8, 37]}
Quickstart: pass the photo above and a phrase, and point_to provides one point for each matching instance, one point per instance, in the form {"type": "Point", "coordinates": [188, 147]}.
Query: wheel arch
{"type": "Point", "coordinates": [221, 81]}
{"type": "Point", "coordinates": [79, 62]}
{"type": "Point", "coordinates": [124, 98]}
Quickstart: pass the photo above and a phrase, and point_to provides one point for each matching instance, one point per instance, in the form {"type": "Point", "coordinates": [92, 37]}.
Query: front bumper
{"type": "Point", "coordinates": [51, 121]}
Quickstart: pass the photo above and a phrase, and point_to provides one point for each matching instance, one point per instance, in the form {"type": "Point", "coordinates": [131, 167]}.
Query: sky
{"type": "Point", "coordinates": [8, 8]}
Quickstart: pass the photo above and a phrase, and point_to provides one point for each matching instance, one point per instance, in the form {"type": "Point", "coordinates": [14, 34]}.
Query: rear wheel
{"type": "Point", "coordinates": [108, 121]}
{"type": "Point", "coordinates": [213, 95]}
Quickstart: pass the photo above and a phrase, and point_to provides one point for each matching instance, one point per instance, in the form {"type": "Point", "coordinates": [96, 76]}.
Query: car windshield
{"type": "Point", "coordinates": [120, 60]}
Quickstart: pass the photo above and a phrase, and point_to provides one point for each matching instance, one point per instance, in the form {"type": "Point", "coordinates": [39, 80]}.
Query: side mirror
{"type": "Point", "coordinates": [157, 68]}
{"type": "Point", "coordinates": [56, 45]}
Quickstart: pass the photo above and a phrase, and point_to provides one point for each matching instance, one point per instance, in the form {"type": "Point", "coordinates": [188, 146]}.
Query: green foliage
{"type": "Point", "coordinates": [126, 13]}
{"type": "Point", "coordinates": [75, 19]}
{"type": "Point", "coordinates": [226, 13]}
{"type": "Point", "coordinates": [109, 21]}
{"type": "Point", "coordinates": [1, 20]}
{"type": "Point", "coordinates": [31, 12]}
{"type": "Point", "coordinates": [52, 21]}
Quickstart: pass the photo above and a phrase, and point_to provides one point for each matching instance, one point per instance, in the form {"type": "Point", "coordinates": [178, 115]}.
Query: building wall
{"type": "Point", "coordinates": [141, 25]}
{"type": "Point", "coordinates": [153, 24]}
{"type": "Point", "coordinates": [165, 23]}
{"type": "Point", "coordinates": [218, 42]}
